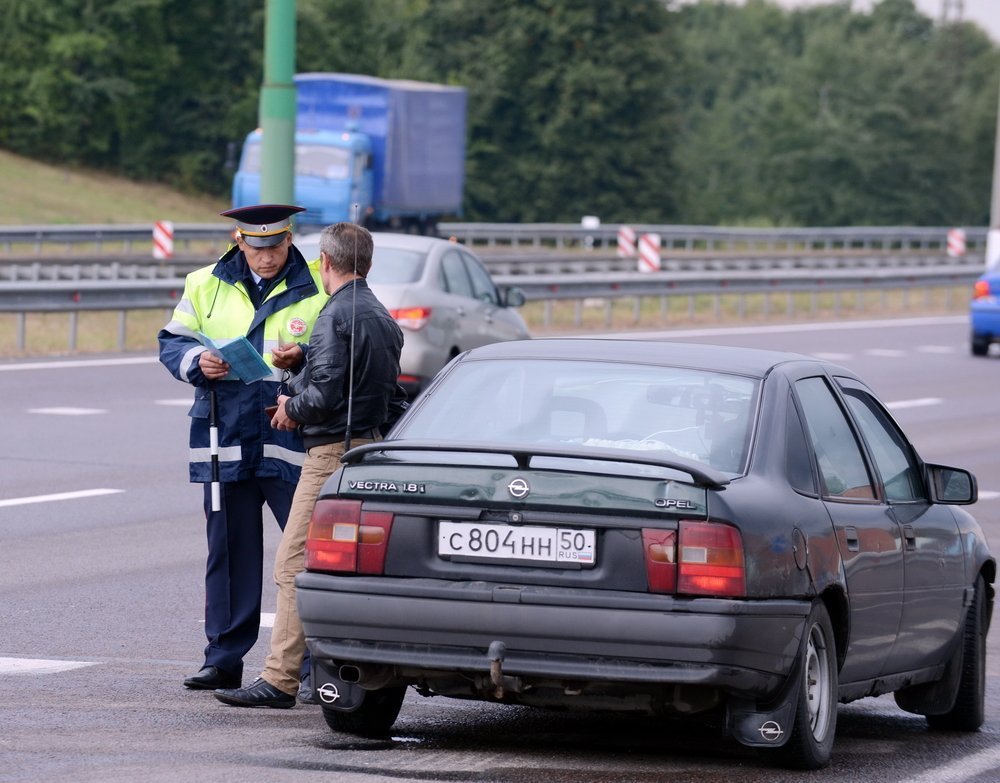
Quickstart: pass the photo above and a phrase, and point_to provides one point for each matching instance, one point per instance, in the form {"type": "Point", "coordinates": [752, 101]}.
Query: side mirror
{"type": "Point", "coordinates": [513, 297]}
{"type": "Point", "coordinates": [952, 486]}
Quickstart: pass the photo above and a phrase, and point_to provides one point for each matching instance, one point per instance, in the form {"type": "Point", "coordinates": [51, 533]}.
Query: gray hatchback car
{"type": "Point", "coordinates": [688, 530]}
{"type": "Point", "coordinates": [441, 295]}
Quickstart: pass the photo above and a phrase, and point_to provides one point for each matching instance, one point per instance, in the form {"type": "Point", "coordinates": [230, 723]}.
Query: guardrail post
{"type": "Point", "coordinates": [22, 323]}
{"type": "Point", "coordinates": [73, 324]}
{"type": "Point", "coordinates": [122, 316]}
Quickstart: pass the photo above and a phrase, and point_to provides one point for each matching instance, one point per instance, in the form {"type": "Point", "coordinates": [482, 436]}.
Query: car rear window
{"type": "Point", "coordinates": [694, 414]}
{"type": "Point", "coordinates": [390, 265]}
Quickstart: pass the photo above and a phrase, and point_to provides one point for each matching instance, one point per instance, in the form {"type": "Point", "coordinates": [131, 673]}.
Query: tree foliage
{"type": "Point", "coordinates": [633, 111]}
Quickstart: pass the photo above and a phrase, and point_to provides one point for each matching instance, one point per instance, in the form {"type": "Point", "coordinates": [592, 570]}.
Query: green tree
{"type": "Point", "coordinates": [567, 111]}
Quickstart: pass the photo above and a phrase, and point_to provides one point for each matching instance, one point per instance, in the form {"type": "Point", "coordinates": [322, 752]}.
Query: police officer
{"type": "Point", "coordinates": [264, 289]}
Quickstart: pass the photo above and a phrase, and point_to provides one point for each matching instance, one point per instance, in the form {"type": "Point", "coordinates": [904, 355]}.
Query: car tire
{"type": "Point", "coordinates": [373, 718]}
{"type": "Point", "coordinates": [980, 344]}
{"type": "Point", "coordinates": [968, 712]}
{"type": "Point", "coordinates": [815, 724]}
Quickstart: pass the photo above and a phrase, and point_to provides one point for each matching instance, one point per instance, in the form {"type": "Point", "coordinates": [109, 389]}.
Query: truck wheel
{"type": "Point", "coordinates": [811, 742]}
{"type": "Point", "coordinates": [373, 718]}
{"type": "Point", "coordinates": [980, 344]}
{"type": "Point", "coordinates": [968, 712]}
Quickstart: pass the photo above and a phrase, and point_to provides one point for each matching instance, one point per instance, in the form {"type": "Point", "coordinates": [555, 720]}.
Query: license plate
{"type": "Point", "coordinates": [508, 544]}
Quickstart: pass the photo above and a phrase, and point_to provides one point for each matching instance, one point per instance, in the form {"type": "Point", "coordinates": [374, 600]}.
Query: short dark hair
{"type": "Point", "coordinates": [349, 247]}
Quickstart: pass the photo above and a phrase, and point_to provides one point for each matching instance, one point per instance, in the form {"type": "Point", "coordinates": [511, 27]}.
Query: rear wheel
{"type": "Point", "coordinates": [980, 344]}
{"type": "Point", "coordinates": [373, 718]}
{"type": "Point", "coordinates": [969, 711]}
{"type": "Point", "coordinates": [811, 742]}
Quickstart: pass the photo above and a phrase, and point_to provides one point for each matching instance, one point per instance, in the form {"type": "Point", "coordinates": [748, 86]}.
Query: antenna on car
{"type": "Point", "coordinates": [350, 371]}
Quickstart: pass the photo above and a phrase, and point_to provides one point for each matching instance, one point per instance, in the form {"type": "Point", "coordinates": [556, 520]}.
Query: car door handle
{"type": "Point", "coordinates": [910, 536]}
{"type": "Point", "coordinates": [853, 542]}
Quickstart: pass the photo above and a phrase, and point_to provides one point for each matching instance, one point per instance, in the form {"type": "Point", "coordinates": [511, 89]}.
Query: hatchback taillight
{"type": "Point", "coordinates": [345, 538]}
{"type": "Point", "coordinates": [412, 318]}
{"type": "Point", "coordinates": [981, 289]}
{"type": "Point", "coordinates": [710, 560]}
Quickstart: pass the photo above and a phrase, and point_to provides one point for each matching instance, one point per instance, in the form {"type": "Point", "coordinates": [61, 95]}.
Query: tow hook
{"type": "Point", "coordinates": [496, 654]}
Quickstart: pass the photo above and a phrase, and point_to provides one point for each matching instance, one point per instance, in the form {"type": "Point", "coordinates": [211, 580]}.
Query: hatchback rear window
{"type": "Point", "coordinates": [693, 414]}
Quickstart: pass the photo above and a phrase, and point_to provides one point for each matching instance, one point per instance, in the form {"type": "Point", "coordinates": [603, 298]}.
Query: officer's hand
{"type": "Point", "coordinates": [287, 356]}
{"type": "Point", "coordinates": [281, 420]}
{"type": "Point", "coordinates": [212, 366]}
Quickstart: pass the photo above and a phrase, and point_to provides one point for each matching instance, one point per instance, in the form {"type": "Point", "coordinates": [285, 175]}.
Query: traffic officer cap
{"type": "Point", "coordinates": [263, 225]}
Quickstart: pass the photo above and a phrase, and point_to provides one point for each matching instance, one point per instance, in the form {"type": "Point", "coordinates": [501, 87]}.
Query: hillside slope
{"type": "Point", "coordinates": [33, 193]}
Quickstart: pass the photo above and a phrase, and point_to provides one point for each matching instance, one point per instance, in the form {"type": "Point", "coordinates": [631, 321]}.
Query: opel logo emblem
{"type": "Point", "coordinates": [328, 692]}
{"type": "Point", "coordinates": [518, 488]}
{"type": "Point", "coordinates": [770, 731]}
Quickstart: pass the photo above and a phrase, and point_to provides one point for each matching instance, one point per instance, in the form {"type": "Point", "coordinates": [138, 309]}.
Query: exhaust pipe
{"type": "Point", "coordinates": [369, 678]}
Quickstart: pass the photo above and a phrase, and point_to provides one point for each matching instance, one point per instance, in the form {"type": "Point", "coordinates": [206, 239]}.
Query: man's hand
{"type": "Point", "coordinates": [281, 420]}
{"type": "Point", "coordinates": [212, 367]}
{"type": "Point", "coordinates": [287, 356]}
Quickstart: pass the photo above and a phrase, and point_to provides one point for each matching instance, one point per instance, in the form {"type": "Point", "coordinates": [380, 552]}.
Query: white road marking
{"type": "Point", "coordinates": [985, 494]}
{"type": "Point", "coordinates": [936, 348]}
{"type": "Point", "coordinates": [83, 493]}
{"type": "Point", "coordinates": [967, 768]}
{"type": "Point", "coordinates": [79, 363]}
{"type": "Point", "coordinates": [921, 402]}
{"type": "Point", "coordinates": [266, 620]}
{"type": "Point", "coordinates": [178, 402]}
{"type": "Point", "coordinates": [890, 353]}
{"type": "Point", "coordinates": [39, 665]}
{"type": "Point", "coordinates": [67, 411]}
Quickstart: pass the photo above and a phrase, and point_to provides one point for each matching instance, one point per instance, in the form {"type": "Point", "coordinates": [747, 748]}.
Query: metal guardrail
{"type": "Point", "coordinates": [713, 237]}
{"type": "Point", "coordinates": [514, 262]}
{"type": "Point", "coordinates": [561, 235]}
{"type": "Point", "coordinates": [82, 295]}
{"type": "Point", "coordinates": [561, 264]}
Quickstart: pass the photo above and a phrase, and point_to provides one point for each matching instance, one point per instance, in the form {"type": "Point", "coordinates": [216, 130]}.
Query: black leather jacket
{"type": "Point", "coordinates": [319, 390]}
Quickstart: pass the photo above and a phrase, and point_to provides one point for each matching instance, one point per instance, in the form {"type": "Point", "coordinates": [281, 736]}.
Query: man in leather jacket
{"type": "Point", "coordinates": [353, 325]}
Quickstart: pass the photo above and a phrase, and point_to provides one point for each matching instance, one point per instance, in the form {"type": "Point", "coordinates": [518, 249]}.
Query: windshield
{"type": "Point", "coordinates": [310, 161]}
{"type": "Point", "coordinates": [693, 414]}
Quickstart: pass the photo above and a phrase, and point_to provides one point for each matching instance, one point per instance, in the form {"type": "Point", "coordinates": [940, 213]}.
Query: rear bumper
{"type": "Point", "coordinates": [745, 648]}
{"type": "Point", "coordinates": [985, 317]}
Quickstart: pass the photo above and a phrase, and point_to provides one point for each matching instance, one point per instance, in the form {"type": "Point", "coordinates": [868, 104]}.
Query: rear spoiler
{"type": "Point", "coordinates": [701, 475]}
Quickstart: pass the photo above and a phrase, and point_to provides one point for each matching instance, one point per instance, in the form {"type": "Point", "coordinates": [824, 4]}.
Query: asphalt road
{"type": "Point", "coordinates": [101, 569]}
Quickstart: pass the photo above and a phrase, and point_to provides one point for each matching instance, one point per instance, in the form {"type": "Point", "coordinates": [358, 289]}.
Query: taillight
{"type": "Point", "coordinates": [981, 289]}
{"type": "Point", "coordinates": [710, 560]}
{"type": "Point", "coordinates": [412, 318]}
{"type": "Point", "coordinates": [660, 551]}
{"type": "Point", "coordinates": [344, 538]}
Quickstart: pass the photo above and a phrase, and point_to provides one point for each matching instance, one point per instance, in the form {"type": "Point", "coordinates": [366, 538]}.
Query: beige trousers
{"type": "Point", "coordinates": [288, 642]}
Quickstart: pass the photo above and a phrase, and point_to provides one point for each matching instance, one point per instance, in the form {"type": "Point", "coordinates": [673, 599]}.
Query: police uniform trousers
{"type": "Point", "coordinates": [234, 573]}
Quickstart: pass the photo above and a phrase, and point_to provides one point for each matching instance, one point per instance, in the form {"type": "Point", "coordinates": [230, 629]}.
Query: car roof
{"type": "Point", "coordinates": [722, 358]}
{"type": "Point", "coordinates": [414, 242]}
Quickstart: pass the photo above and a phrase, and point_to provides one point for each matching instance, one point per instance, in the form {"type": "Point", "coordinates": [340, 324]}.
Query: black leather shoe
{"type": "Point", "coordinates": [212, 677]}
{"type": "Point", "coordinates": [306, 693]}
{"type": "Point", "coordinates": [259, 693]}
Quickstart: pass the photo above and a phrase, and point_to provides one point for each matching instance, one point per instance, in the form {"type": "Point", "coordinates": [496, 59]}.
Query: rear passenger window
{"type": "Point", "coordinates": [843, 472]}
{"type": "Point", "coordinates": [456, 279]}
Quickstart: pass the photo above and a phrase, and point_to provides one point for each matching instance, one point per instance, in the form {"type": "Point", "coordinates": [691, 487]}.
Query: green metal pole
{"type": "Point", "coordinates": [277, 105]}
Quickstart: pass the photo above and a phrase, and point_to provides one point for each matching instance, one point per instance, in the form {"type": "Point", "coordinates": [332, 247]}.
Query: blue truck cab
{"type": "Point", "coordinates": [332, 173]}
{"type": "Point", "coordinates": [394, 147]}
